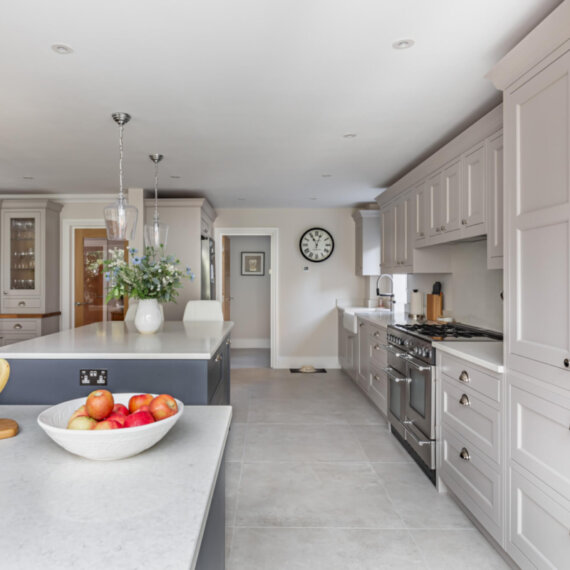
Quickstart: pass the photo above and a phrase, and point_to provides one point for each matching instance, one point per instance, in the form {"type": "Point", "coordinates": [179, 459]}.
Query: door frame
{"type": "Point", "coordinates": [67, 293]}
{"type": "Point", "coordinates": [273, 234]}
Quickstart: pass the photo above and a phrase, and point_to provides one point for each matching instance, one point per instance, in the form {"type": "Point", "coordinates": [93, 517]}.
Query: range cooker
{"type": "Point", "coordinates": [411, 386]}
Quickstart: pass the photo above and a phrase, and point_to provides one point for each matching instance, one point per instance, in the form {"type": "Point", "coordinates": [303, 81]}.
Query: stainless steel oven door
{"type": "Point", "coordinates": [424, 447]}
{"type": "Point", "coordinates": [396, 388]}
{"type": "Point", "coordinates": [420, 397]}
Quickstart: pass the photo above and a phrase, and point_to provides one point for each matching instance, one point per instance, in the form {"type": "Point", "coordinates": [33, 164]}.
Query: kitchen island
{"type": "Point", "coordinates": [190, 360]}
{"type": "Point", "coordinates": [164, 508]}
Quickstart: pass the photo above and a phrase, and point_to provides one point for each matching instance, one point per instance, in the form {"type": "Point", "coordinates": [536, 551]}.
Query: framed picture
{"type": "Point", "coordinates": [253, 263]}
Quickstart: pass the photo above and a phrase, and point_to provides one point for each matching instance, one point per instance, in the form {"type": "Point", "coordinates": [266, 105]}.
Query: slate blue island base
{"type": "Point", "coordinates": [190, 361]}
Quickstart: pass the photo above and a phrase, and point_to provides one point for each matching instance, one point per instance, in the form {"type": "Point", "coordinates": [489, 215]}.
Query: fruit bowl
{"type": "Point", "coordinates": [103, 445]}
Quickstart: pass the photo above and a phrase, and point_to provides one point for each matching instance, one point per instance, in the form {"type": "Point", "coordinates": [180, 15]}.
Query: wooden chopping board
{"type": "Point", "coordinates": [8, 428]}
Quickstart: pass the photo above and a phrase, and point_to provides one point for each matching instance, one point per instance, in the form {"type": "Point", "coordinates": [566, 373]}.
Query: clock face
{"type": "Point", "coordinates": [316, 244]}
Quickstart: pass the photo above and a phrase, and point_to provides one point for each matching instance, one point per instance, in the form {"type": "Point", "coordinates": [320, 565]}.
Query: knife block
{"type": "Point", "coordinates": [434, 304]}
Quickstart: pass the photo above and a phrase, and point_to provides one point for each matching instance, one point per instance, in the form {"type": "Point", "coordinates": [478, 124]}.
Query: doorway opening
{"type": "Point", "coordinates": [247, 266]}
{"type": "Point", "coordinates": [90, 286]}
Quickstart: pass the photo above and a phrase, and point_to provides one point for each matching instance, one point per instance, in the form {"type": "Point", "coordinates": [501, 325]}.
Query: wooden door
{"type": "Point", "coordinates": [473, 189]}
{"type": "Point", "coordinates": [226, 251]}
{"type": "Point", "coordinates": [90, 285]}
{"type": "Point", "coordinates": [537, 159]}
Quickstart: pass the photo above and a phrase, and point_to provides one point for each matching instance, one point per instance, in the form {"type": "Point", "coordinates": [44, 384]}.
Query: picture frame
{"type": "Point", "coordinates": [253, 263]}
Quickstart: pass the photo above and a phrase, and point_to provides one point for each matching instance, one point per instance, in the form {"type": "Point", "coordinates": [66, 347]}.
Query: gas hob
{"type": "Point", "coordinates": [448, 332]}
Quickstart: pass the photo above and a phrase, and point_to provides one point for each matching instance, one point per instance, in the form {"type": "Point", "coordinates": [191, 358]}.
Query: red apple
{"type": "Point", "coordinates": [138, 401]}
{"type": "Point", "coordinates": [116, 417]}
{"type": "Point", "coordinates": [79, 412]}
{"type": "Point", "coordinates": [163, 406]}
{"type": "Point", "coordinates": [99, 404]}
{"type": "Point", "coordinates": [108, 424]}
{"type": "Point", "coordinates": [82, 422]}
{"type": "Point", "coordinates": [138, 419]}
{"type": "Point", "coordinates": [121, 409]}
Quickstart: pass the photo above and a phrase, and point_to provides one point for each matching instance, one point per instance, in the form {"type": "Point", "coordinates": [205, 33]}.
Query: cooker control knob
{"type": "Point", "coordinates": [427, 353]}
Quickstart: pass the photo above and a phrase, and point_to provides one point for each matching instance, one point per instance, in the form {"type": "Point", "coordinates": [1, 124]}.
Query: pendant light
{"type": "Point", "coordinates": [120, 218]}
{"type": "Point", "coordinates": [155, 234]}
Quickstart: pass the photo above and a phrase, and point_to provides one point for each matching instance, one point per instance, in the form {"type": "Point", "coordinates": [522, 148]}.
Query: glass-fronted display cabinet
{"type": "Point", "coordinates": [30, 256]}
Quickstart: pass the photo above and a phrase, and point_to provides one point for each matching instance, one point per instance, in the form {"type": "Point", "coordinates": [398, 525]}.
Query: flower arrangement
{"type": "Point", "coordinates": [151, 276]}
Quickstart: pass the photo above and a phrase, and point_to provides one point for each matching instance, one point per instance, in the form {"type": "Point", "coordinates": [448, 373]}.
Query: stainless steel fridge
{"type": "Point", "coordinates": [208, 270]}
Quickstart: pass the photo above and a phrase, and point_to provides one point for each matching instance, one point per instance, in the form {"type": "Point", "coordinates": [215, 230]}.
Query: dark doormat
{"type": "Point", "coordinates": [315, 371]}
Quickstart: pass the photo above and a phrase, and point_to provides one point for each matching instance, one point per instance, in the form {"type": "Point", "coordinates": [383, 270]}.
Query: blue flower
{"type": "Point", "coordinates": [107, 276]}
{"type": "Point", "coordinates": [188, 271]}
{"type": "Point", "coordinates": [136, 260]}
{"type": "Point", "coordinates": [132, 251]}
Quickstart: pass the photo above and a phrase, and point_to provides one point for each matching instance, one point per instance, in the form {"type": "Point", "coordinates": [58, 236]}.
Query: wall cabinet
{"type": "Point", "coordinates": [419, 215]}
{"type": "Point", "coordinates": [474, 187]}
{"type": "Point", "coordinates": [30, 256]}
{"type": "Point", "coordinates": [495, 202]}
{"type": "Point", "coordinates": [367, 242]}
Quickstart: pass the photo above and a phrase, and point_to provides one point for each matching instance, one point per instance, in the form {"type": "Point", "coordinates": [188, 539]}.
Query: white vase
{"type": "Point", "coordinates": [149, 316]}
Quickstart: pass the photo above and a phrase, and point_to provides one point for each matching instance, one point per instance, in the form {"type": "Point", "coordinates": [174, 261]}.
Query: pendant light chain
{"type": "Point", "coordinates": [156, 191]}
{"type": "Point", "coordinates": [121, 195]}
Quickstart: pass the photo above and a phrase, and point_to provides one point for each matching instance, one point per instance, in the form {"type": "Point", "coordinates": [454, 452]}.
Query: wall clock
{"type": "Point", "coordinates": [316, 245]}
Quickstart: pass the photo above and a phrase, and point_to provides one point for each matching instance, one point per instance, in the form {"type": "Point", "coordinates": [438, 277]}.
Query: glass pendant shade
{"type": "Point", "coordinates": [120, 218]}
{"type": "Point", "coordinates": [156, 233]}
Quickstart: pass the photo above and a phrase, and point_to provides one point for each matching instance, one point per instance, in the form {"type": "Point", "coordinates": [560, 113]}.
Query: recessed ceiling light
{"type": "Point", "coordinates": [176, 177]}
{"type": "Point", "coordinates": [62, 49]}
{"type": "Point", "coordinates": [349, 135]}
{"type": "Point", "coordinates": [312, 198]}
{"type": "Point", "coordinates": [403, 44]}
{"type": "Point", "coordinates": [326, 175]}
{"type": "Point", "coordinates": [28, 177]}
{"type": "Point", "coordinates": [241, 199]}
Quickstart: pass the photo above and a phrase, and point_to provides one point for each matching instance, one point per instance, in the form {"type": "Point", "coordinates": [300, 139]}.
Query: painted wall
{"type": "Point", "coordinates": [306, 315]}
{"type": "Point", "coordinates": [250, 307]}
{"type": "Point", "coordinates": [471, 292]}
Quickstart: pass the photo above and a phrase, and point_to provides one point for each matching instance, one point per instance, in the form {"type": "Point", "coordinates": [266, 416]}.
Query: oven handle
{"type": "Point", "coordinates": [391, 372]}
{"type": "Point", "coordinates": [393, 350]}
{"type": "Point", "coordinates": [418, 441]}
{"type": "Point", "coordinates": [416, 366]}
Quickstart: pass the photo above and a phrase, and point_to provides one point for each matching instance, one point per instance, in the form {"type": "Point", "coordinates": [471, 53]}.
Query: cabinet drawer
{"type": "Point", "coordinates": [378, 390]}
{"type": "Point", "coordinates": [540, 438]}
{"type": "Point", "coordinates": [20, 304]}
{"type": "Point", "coordinates": [9, 338]}
{"type": "Point", "coordinates": [538, 530]}
{"type": "Point", "coordinates": [19, 325]}
{"type": "Point", "coordinates": [466, 374]}
{"type": "Point", "coordinates": [466, 413]}
{"type": "Point", "coordinates": [378, 356]}
{"type": "Point", "coordinates": [474, 481]}
{"type": "Point", "coordinates": [377, 334]}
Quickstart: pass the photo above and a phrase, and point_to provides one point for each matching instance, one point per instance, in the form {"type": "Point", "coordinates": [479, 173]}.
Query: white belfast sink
{"type": "Point", "coordinates": [350, 315]}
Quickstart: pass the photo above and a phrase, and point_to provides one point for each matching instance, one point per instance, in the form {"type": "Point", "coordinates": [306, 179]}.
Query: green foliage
{"type": "Point", "coordinates": [152, 276]}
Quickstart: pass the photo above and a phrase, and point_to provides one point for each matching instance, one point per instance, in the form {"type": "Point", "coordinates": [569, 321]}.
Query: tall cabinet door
{"type": "Point", "coordinates": [495, 202]}
{"type": "Point", "coordinates": [402, 233]}
{"type": "Point", "coordinates": [473, 190]}
{"type": "Point", "coordinates": [450, 198]}
{"type": "Point", "coordinates": [433, 189]}
{"type": "Point", "coordinates": [537, 156]}
{"type": "Point", "coordinates": [419, 216]}
{"type": "Point", "coordinates": [388, 245]}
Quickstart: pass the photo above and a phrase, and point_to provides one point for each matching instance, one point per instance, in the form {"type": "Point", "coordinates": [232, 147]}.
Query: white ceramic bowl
{"type": "Point", "coordinates": [103, 445]}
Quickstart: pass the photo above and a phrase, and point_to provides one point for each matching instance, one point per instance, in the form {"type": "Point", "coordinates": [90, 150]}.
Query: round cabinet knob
{"type": "Point", "coordinates": [376, 377]}
{"type": "Point", "coordinates": [376, 334]}
{"type": "Point", "coordinates": [464, 376]}
{"type": "Point", "coordinates": [437, 230]}
{"type": "Point", "coordinates": [464, 454]}
{"type": "Point", "coordinates": [464, 400]}
{"type": "Point", "coordinates": [422, 234]}
{"type": "Point", "coordinates": [376, 347]}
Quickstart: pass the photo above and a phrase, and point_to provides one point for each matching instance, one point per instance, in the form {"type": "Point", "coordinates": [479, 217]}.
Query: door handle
{"type": "Point", "coordinates": [79, 304]}
{"type": "Point", "coordinates": [392, 373]}
{"type": "Point", "coordinates": [420, 442]}
{"type": "Point", "coordinates": [416, 366]}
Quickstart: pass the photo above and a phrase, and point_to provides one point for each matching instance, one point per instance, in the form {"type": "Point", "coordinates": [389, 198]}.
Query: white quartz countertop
{"type": "Point", "coordinates": [119, 340]}
{"type": "Point", "coordinates": [148, 511]}
{"type": "Point", "coordinates": [486, 354]}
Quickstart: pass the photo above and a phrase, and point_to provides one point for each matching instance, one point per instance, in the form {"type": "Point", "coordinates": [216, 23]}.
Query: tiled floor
{"type": "Point", "coordinates": [250, 358]}
{"type": "Point", "coordinates": [315, 481]}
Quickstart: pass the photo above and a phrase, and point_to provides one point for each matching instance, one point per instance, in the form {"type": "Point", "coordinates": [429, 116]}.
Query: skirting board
{"type": "Point", "coordinates": [328, 362]}
{"type": "Point", "coordinates": [251, 343]}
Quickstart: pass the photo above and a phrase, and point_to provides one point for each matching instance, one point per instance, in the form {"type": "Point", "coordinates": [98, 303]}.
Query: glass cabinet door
{"type": "Point", "coordinates": [22, 233]}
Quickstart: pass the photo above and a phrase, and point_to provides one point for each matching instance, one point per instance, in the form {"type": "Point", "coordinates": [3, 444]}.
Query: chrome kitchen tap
{"type": "Point", "coordinates": [389, 295]}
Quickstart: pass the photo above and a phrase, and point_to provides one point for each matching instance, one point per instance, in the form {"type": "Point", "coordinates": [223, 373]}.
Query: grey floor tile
{"type": "Point", "coordinates": [379, 444]}
{"type": "Point", "coordinates": [323, 549]}
{"type": "Point", "coordinates": [465, 549]}
{"type": "Point", "coordinates": [233, 476]}
{"type": "Point", "coordinates": [417, 500]}
{"type": "Point", "coordinates": [301, 443]}
{"type": "Point", "coordinates": [314, 494]}
{"type": "Point", "coordinates": [236, 442]}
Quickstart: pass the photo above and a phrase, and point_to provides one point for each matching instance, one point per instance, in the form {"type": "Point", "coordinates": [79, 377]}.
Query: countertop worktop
{"type": "Point", "coordinates": [486, 354]}
{"type": "Point", "coordinates": [118, 340]}
{"type": "Point", "coordinates": [148, 511]}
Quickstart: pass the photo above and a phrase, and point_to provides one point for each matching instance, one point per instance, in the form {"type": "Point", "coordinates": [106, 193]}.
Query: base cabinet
{"type": "Point", "coordinates": [17, 330]}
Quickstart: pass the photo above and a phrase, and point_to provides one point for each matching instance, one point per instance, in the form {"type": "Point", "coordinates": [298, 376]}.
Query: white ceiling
{"type": "Point", "coordinates": [248, 100]}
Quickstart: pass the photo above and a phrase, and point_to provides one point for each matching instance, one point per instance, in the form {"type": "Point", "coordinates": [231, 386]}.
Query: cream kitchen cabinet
{"type": "Point", "coordinates": [474, 187]}
{"type": "Point", "coordinates": [367, 242]}
{"type": "Point", "coordinates": [30, 256]}
{"type": "Point", "coordinates": [18, 329]}
{"type": "Point", "coordinates": [419, 215]}
{"type": "Point", "coordinates": [402, 233]}
{"type": "Point", "coordinates": [495, 202]}
{"type": "Point", "coordinates": [444, 200]}
{"type": "Point", "coordinates": [347, 349]}
{"type": "Point", "coordinates": [535, 80]}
